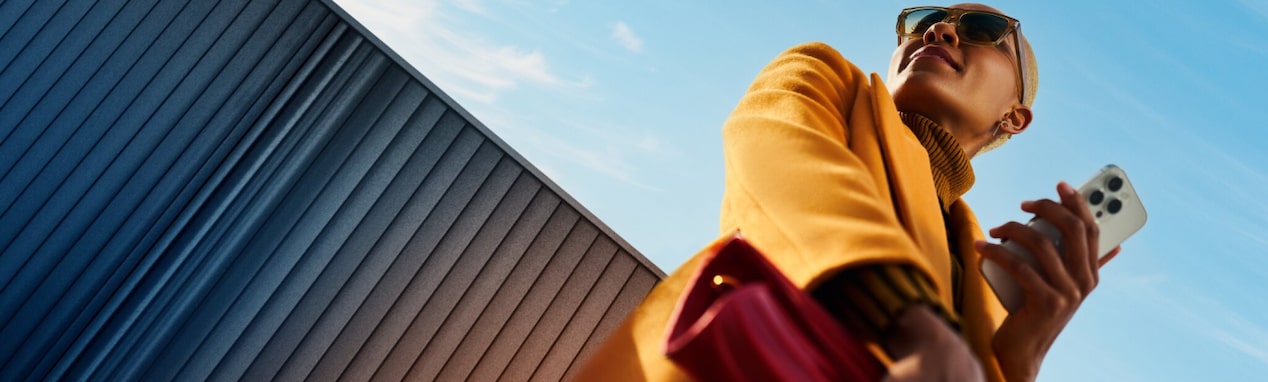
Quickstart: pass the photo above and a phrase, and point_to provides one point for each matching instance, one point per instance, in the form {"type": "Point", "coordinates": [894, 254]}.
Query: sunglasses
{"type": "Point", "coordinates": [980, 28]}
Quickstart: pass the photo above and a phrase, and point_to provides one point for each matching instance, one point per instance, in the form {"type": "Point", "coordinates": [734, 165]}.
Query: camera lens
{"type": "Point", "coordinates": [1096, 197]}
{"type": "Point", "coordinates": [1115, 183]}
{"type": "Point", "coordinates": [1114, 206]}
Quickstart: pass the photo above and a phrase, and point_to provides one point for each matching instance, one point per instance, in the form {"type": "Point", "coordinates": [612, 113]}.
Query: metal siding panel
{"type": "Point", "coordinates": [344, 284]}
{"type": "Point", "coordinates": [532, 307]}
{"type": "Point", "coordinates": [10, 12]}
{"type": "Point", "coordinates": [172, 108]}
{"type": "Point", "coordinates": [45, 45]}
{"type": "Point", "coordinates": [136, 200]}
{"type": "Point", "coordinates": [451, 291]}
{"type": "Point", "coordinates": [264, 205]}
{"type": "Point", "coordinates": [480, 328]}
{"type": "Point", "coordinates": [342, 330]}
{"type": "Point", "coordinates": [311, 286]}
{"type": "Point", "coordinates": [54, 286]}
{"type": "Point", "coordinates": [21, 126]}
{"type": "Point", "coordinates": [559, 314]}
{"type": "Point", "coordinates": [299, 218]}
{"type": "Point", "coordinates": [18, 180]}
{"type": "Point", "coordinates": [532, 230]}
{"type": "Point", "coordinates": [237, 207]}
{"type": "Point", "coordinates": [380, 307]}
{"type": "Point", "coordinates": [422, 285]}
{"type": "Point", "coordinates": [369, 213]}
{"type": "Point", "coordinates": [211, 262]}
{"type": "Point", "coordinates": [589, 314]}
{"type": "Point", "coordinates": [631, 295]}
{"type": "Point", "coordinates": [61, 169]}
{"type": "Point", "coordinates": [152, 217]}
{"type": "Point", "coordinates": [486, 335]}
{"type": "Point", "coordinates": [36, 81]}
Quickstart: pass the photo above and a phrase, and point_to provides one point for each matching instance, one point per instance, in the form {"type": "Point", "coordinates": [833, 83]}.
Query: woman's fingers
{"type": "Point", "coordinates": [1110, 256]}
{"type": "Point", "coordinates": [1043, 249]}
{"type": "Point", "coordinates": [1027, 277]}
{"type": "Point", "coordinates": [1070, 222]}
{"type": "Point", "coordinates": [1077, 204]}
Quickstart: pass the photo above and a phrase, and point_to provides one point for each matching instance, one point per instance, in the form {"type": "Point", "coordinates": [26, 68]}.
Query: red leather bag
{"type": "Point", "coordinates": [740, 319]}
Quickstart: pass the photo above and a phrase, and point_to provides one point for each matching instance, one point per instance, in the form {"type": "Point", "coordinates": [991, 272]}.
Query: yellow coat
{"type": "Point", "coordinates": [821, 174]}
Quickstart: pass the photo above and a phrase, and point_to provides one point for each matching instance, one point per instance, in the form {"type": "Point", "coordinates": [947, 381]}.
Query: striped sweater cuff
{"type": "Point", "coordinates": [868, 299]}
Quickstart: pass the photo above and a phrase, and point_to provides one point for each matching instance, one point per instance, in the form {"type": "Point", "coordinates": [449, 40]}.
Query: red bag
{"type": "Point", "coordinates": [740, 319]}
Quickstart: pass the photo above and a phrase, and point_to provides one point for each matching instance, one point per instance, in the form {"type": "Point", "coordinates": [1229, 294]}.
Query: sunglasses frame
{"type": "Point", "coordinates": [953, 16]}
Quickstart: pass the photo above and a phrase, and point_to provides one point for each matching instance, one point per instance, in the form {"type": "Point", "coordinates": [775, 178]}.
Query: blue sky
{"type": "Point", "coordinates": [621, 103]}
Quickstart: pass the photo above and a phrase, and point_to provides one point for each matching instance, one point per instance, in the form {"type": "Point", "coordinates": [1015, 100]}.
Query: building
{"type": "Point", "coordinates": [255, 190]}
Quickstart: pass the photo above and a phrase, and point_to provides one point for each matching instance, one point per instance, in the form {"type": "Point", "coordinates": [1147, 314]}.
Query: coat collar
{"type": "Point", "coordinates": [911, 186]}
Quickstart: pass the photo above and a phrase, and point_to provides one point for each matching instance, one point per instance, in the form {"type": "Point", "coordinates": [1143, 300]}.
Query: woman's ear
{"type": "Point", "coordinates": [1017, 120]}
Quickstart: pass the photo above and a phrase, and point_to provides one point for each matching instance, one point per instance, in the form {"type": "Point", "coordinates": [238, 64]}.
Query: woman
{"type": "Point", "coordinates": [854, 192]}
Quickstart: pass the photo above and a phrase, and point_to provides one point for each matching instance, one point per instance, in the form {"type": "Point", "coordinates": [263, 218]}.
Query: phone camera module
{"type": "Point", "coordinates": [1115, 184]}
{"type": "Point", "coordinates": [1096, 197]}
{"type": "Point", "coordinates": [1114, 206]}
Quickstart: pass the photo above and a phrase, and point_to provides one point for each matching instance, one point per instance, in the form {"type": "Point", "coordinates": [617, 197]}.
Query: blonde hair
{"type": "Point", "coordinates": [1031, 86]}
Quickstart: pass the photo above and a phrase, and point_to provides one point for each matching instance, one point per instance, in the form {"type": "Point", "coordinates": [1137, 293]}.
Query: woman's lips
{"type": "Point", "coordinates": [937, 53]}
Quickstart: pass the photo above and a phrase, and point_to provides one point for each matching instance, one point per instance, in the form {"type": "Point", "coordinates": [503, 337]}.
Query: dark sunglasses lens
{"type": "Point", "coordinates": [982, 27]}
{"type": "Point", "coordinates": [919, 21]}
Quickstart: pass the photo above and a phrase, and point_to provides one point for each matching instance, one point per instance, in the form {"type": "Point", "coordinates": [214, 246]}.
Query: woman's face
{"type": "Point", "coordinates": [968, 89]}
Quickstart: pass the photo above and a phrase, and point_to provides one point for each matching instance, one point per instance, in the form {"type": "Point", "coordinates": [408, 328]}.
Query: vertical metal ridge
{"type": "Point", "coordinates": [380, 306]}
{"type": "Point", "coordinates": [120, 201]}
{"type": "Point", "coordinates": [364, 299]}
{"type": "Point", "coordinates": [291, 248]}
{"type": "Point", "coordinates": [337, 185]}
{"type": "Point", "coordinates": [583, 322]}
{"type": "Point", "coordinates": [454, 286]}
{"type": "Point", "coordinates": [85, 320]}
{"type": "Point", "coordinates": [558, 314]}
{"type": "Point", "coordinates": [397, 214]}
{"type": "Point", "coordinates": [44, 74]}
{"type": "Point", "coordinates": [268, 192]}
{"type": "Point", "coordinates": [70, 237]}
{"type": "Point", "coordinates": [532, 306]}
{"type": "Point", "coordinates": [191, 77]}
{"type": "Point", "coordinates": [31, 18]}
{"type": "Point", "coordinates": [421, 286]}
{"type": "Point", "coordinates": [123, 298]}
{"type": "Point", "coordinates": [259, 360]}
{"type": "Point", "coordinates": [10, 16]}
{"type": "Point", "coordinates": [484, 333]}
{"type": "Point", "coordinates": [11, 192]}
{"type": "Point", "coordinates": [536, 227]}
{"type": "Point", "coordinates": [15, 114]}
{"type": "Point", "coordinates": [85, 143]}
{"type": "Point", "coordinates": [293, 222]}
{"type": "Point", "coordinates": [232, 232]}
{"type": "Point", "coordinates": [636, 287]}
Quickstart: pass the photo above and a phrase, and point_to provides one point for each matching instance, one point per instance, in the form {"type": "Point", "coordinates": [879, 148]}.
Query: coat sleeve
{"type": "Point", "coordinates": [794, 186]}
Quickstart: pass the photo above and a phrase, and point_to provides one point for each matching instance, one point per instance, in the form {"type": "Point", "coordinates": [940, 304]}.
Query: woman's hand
{"type": "Point", "coordinates": [1053, 292]}
{"type": "Point", "coordinates": [924, 348]}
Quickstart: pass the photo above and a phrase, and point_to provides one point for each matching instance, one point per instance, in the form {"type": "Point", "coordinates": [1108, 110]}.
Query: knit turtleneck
{"type": "Point", "coordinates": [952, 172]}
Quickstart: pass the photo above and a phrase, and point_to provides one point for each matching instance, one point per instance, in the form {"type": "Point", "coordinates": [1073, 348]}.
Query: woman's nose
{"type": "Point", "coordinates": [944, 32]}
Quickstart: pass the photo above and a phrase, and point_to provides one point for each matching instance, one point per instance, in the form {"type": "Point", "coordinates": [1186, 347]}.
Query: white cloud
{"type": "Point", "coordinates": [473, 6]}
{"type": "Point", "coordinates": [599, 155]}
{"type": "Point", "coordinates": [1206, 317]}
{"type": "Point", "coordinates": [626, 37]}
{"type": "Point", "coordinates": [461, 63]}
{"type": "Point", "coordinates": [439, 39]}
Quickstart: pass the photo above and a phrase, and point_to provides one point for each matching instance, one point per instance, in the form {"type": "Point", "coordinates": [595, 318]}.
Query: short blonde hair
{"type": "Point", "coordinates": [1031, 86]}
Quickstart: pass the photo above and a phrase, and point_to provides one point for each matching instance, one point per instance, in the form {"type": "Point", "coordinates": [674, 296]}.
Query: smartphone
{"type": "Point", "coordinates": [1118, 211]}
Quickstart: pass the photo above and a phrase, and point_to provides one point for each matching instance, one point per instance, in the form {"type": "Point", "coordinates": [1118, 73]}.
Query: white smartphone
{"type": "Point", "coordinates": [1118, 211]}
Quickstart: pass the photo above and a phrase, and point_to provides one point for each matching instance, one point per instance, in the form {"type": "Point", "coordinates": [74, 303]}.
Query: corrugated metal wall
{"type": "Point", "coordinates": [259, 190]}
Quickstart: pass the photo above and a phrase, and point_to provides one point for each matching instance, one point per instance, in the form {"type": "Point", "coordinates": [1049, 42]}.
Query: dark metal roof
{"type": "Point", "coordinates": [261, 189]}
